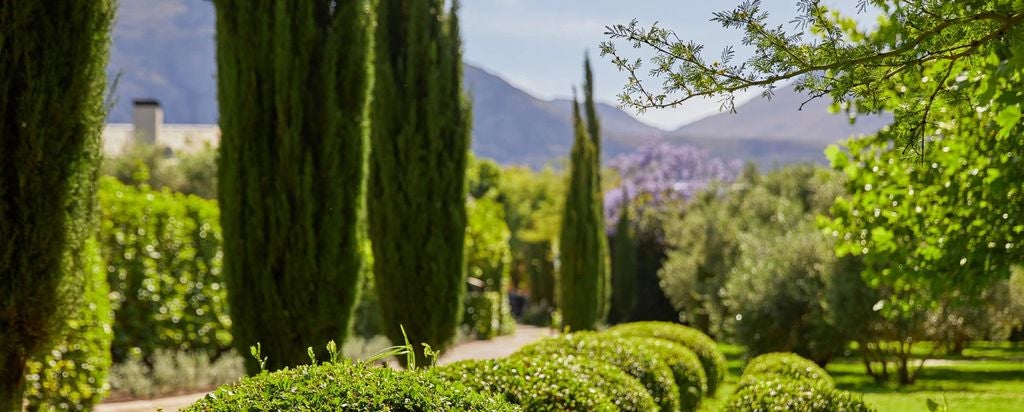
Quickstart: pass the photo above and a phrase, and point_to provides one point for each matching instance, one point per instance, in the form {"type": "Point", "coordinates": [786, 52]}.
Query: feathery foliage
{"type": "Point", "coordinates": [293, 86]}
{"type": "Point", "coordinates": [582, 262]}
{"type": "Point", "coordinates": [52, 82]}
{"type": "Point", "coordinates": [417, 188]}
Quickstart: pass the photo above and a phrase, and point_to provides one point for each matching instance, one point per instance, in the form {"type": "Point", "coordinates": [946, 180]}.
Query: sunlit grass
{"type": "Point", "coordinates": [987, 377]}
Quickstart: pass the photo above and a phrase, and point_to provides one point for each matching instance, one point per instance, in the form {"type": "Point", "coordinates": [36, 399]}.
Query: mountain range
{"type": "Point", "coordinates": [165, 51]}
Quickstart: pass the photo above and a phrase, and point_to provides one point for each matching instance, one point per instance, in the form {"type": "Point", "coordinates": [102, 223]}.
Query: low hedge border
{"type": "Point", "coordinates": [776, 393]}
{"type": "Point", "coordinates": [685, 366]}
{"type": "Point", "coordinates": [552, 384]}
{"type": "Point", "coordinates": [788, 382]}
{"type": "Point", "coordinates": [653, 373]}
{"type": "Point", "coordinates": [347, 386]}
{"type": "Point", "coordinates": [712, 359]}
{"type": "Point", "coordinates": [787, 365]}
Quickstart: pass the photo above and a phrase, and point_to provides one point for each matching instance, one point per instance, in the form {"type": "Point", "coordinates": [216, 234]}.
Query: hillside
{"type": "Point", "coordinates": [165, 50]}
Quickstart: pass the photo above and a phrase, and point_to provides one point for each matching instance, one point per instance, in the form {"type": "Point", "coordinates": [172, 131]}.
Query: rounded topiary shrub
{"type": "Point", "coordinates": [72, 374]}
{"type": "Point", "coordinates": [786, 365]}
{"type": "Point", "coordinates": [686, 369]}
{"type": "Point", "coordinates": [711, 359]}
{"type": "Point", "coordinates": [776, 393]}
{"type": "Point", "coordinates": [552, 384]}
{"type": "Point", "coordinates": [639, 363]}
{"type": "Point", "coordinates": [347, 386]}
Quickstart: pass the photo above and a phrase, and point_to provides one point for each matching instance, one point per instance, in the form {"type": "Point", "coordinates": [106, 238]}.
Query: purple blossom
{"type": "Point", "coordinates": [662, 173]}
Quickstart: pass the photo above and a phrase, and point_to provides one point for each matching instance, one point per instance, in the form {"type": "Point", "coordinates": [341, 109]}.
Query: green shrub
{"type": "Point", "coordinates": [553, 384]}
{"type": "Point", "coordinates": [346, 386]}
{"type": "Point", "coordinates": [776, 393]}
{"type": "Point", "coordinates": [786, 365]}
{"type": "Point", "coordinates": [778, 296]}
{"type": "Point", "coordinates": [685, 366]}
{"type": "Point", "coordinates": [72, 374]}
{"type": "Point", "coordinates": [654, 374]}
{"type": "Point", "coordinates": [711, 359]}
{"type": "Point", "coordinates": [163, 257]}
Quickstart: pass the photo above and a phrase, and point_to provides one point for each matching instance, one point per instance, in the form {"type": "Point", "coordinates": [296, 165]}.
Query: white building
{"type": "Point", "coordinates": [148, 126]}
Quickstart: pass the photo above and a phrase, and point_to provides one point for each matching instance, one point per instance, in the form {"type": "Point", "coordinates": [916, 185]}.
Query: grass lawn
{"type": "Point", "coordinates": [987, 377]}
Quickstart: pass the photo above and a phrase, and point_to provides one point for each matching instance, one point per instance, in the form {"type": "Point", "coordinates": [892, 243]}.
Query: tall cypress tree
{"type": "Point", "coordinates": [52, 84]}
{"type": "Point", "coordinates": [582, 235]}
{"type": "Point", "coordinates": [624, 265]}
{"type": "Point", "coordinates": [293, 85]}
{"type": "Point", "coordinates": [421, 125]}
{"type": "Point", "coordinates": [604, 281]}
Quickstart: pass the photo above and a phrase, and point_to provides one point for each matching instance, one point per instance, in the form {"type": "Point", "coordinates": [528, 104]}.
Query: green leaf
{"type": "Point", "coordinates": [1007, 119]}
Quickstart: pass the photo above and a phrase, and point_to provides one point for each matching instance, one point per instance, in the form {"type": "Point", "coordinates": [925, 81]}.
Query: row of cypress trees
{"type": "Point", "coordinates": [52, 82]}
{"type": "Point", "coordinates": [327, 106]}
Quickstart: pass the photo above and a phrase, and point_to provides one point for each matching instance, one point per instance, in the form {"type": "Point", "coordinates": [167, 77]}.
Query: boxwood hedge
{"type": "Point", "coordinates": [702, 345]}
{"type": "Point", "coordinates": [163, 256]}
{"type": "Point", "coordinates": [776, 393]}
{"type": "Point", "coordinates": [347, 386]}
{"type": "Point", "coordinates": [552, 384]}
{"type": "Point", "coordinates": [686, 369]}
{"type": "Point", "coordinates": [786, 365]}
{"type": "Point", "coordinates": [651, 371]}
{"type": "Point", "coordinates": [787, 382]}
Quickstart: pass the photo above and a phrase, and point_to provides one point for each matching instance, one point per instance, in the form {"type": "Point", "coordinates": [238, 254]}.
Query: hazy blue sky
{"type": "Point", "coordinates": [538, 45]}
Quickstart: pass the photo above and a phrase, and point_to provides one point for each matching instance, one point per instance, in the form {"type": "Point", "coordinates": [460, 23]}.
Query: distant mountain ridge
{"type": "Point", "coordinates": [165, 50]}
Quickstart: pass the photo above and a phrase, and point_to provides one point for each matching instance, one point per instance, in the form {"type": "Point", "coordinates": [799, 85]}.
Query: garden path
{"type": "Point", "coordinates": [480, 349]}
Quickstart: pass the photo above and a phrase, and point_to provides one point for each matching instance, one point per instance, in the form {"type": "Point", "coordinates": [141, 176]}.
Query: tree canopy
{"type": "Point", "coordinates": [934, 199]}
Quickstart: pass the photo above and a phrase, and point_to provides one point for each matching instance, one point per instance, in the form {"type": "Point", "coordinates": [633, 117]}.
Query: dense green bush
{"type": "Point", "coordinates": [685, 366]}
{"type": "Point", "coordinates": [553, 383]}
{"type": "Point", "coordinates": [72, 374]}
{"type": "Point", "coordinates": [649, 369]}
{"type": "Point", "coordinates": [488, 259]}
{"type": "Point", "coordinates": [776, 393]}
{"type": "Point", "coordinates": [347, 386]}
{"type": "Point", "coordinates": [788, 382]}
{"type": "Point", "coordinates": [163, 257]}
{"type": "Point", "coordinates": [786, 365]}
{"type": "Point", "coordinates": [711, 359]}
{"type": "Point", "coordinates": [777, 296]}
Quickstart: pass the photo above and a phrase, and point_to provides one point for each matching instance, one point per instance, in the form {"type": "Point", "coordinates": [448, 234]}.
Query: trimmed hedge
{"type": "Point", "coordinates": [347, 386]}
{"type": "Point", "coordinates": [711, 359]}
{"type": "Point", "coordinates": [72, 373]}
{"type": "Point", "coordinates": [163, 255]}
{"type": "Point", "coordinates": [776, 393]}
{"type": "Point", "coordinates": [788, 382]}
{"type": "Point", "coordinates": [787, 365]}
{"type": "Point", "coordinates": [651, 371]}
{"type": "Point", "coordinates": [685, 366]}
{"type": "Point", "coordinates": [553, 384]}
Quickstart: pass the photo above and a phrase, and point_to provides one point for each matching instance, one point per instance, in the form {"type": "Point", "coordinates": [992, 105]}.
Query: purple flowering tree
{"type": "Point", "coordinates": [661, 173]}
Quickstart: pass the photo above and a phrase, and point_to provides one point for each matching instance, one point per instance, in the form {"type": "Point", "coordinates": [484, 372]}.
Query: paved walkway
{"type": "Point", "coordinates": [482, 349]}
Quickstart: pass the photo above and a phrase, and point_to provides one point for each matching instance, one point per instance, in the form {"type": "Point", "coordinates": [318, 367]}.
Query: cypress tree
{"type": "Point", "coordinates": [624, 266]}
{"type": "Point", "coordinates": [582, 234]}
{"type": "Point", "coordinates": [293, 86]}
{"type": "Point", "coordinates": [594, 130]}
{"type": "Point", "coordinates": [420, 138]}
{"type": "Point", "coordinates": [52, 61]}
